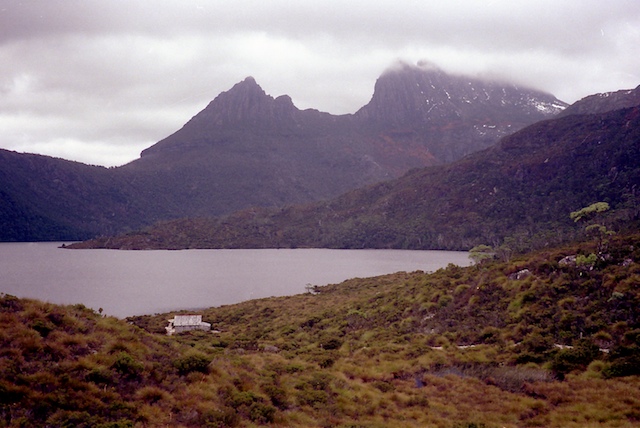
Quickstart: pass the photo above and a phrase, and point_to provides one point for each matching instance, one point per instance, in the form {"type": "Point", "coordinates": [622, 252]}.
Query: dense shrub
{"type": "Point", "coordinates": [192, 362]}
{"type": "Point", "coordinates": [225, 417]}
{"type": "Point", "coordinates": [332, 343]}
{"type": "Point", "coordinates": [625, 361]}
{"type": "Point", "coordinates": [261, 413]}
{"type": "Point", "coordinates": [534, 348]}
{"type": "Point", "coordinates": [578, 357]}
{"type": "Point", "coordinates": [127, 366]}
{"type": "Point", "coordinates": [277, 395]}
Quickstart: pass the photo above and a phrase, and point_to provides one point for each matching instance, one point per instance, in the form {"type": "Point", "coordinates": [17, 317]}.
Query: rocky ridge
{"type": "Point", "coordinates": [604, 102]}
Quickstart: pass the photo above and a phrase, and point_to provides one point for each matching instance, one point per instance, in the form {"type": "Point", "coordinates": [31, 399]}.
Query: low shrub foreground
{"type": "Point", "coordinates": [532, 342]}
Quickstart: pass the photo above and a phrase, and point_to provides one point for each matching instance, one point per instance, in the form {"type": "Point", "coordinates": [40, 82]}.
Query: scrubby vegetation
{"type": "Point", "coordinates": [538, 341]}
{"type": "Point", "coordinates": [517, 194]}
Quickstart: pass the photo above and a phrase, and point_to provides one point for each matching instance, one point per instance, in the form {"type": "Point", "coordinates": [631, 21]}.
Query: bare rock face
{"type": "Point", "coordinates": [245, 104]}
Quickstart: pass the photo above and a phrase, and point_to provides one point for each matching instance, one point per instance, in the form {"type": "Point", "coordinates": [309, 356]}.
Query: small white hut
{"type": "Point", "coordinates": [180, 323]}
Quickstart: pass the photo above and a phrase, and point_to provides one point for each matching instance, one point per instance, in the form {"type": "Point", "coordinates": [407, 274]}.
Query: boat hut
{"type": "Point", "coordinates": [181, 323]}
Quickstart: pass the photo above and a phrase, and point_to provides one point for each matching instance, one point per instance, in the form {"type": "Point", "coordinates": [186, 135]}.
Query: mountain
{"type": "Point", "coordinates": [604, 102]}
{"type": "Point", "coordinates": [452, 115]}
{"type": "Point", "coordinates": [519, 191]}
{"type": "Point", "coordinates": [44, 198]}
{"type": "Point", "coordinates": [248, 149]}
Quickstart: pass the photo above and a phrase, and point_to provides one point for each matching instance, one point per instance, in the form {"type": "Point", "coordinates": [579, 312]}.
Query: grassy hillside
{"type": "Point", "coordinates": [541, 341]}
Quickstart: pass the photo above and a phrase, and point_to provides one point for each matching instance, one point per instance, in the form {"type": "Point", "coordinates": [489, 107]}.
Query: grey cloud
{"type": "Point", "coordinates": [76, 74]}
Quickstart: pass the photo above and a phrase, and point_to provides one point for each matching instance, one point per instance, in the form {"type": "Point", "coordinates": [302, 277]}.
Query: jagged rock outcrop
{"type": "Point", "coordinates": [246, 109]}
{"type": "Point", "coordinates": [247, 104]}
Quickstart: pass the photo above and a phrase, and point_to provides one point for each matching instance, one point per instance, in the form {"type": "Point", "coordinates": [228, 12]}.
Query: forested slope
{"type": "Point", "coordinates": [519, 192]}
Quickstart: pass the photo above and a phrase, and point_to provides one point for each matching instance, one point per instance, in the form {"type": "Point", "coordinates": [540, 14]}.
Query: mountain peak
{"type": "Point", "coordinates": [245, 88]}
{"type": "Point", "coordinates": [425, 93]}
{"type": "Point", "coordinates": [246, 103]}
{"type": "Point", "coordinates": [249, 83]}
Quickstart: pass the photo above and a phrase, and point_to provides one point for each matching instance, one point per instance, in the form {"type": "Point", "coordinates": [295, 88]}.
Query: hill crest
{"type": "Point", "coordinates": [605, 102]}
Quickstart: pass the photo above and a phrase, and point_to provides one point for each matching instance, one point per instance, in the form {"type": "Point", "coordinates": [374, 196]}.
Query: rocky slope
{"type": "Point", "coordinates": [604, 102]}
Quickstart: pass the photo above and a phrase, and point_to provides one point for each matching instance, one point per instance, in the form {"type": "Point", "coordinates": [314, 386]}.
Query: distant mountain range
{"type": "Point", "coordinates": [247, 149]}
{"type": "Point", "coordinates": [519, 191]}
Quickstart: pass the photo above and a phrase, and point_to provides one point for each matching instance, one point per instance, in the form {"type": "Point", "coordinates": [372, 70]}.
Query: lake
{"type": "Point", "coordinates": [126, 283]}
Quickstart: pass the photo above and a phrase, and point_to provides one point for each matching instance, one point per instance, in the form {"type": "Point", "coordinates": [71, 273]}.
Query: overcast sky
{"type": "Point", "coordinates": [97, 81]}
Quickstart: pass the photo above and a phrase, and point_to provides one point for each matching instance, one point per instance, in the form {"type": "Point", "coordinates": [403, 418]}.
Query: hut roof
{"type": "Point", "coordinates": [185, 320]}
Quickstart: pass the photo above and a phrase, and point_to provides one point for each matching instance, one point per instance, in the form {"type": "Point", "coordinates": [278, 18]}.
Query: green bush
{"type": "Point", "coordinates": [127, 366]}
{"type": "Point", "coordinates": [326, 363]}
{"type": "Point", "coordinates": [261, 413]}
{"type": "Point", "coordinates": [383, 386]}
{"type": "Point", "coordinates": [534, 348]}
{"type": "Point", "coordinates": [277, 395]}
{"type": "Point", "coordinates": [331, 344]}
{"type": "Point", "coordinates": [311, 397]}
{"type": "Point", "coordinates": [193, 362]}
{"type": "Point", "coordinates": [76, 419]}
{"type": "Point", "coordinates": [578, 357]}
{"type": "Point", "coordinates": [225, 417]}
{"type": "Point", "coordinates": [10, 303]}
{"type": "Point", "coordinates": [625, 361]}
{"type": "Point", "coordinates": [100, 375]}
{"type": "Point", "coordinates": [42, 327]}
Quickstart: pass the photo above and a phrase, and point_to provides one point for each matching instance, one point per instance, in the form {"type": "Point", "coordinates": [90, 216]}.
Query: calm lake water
{"type": "Point", "coordinates": [126, 283]}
